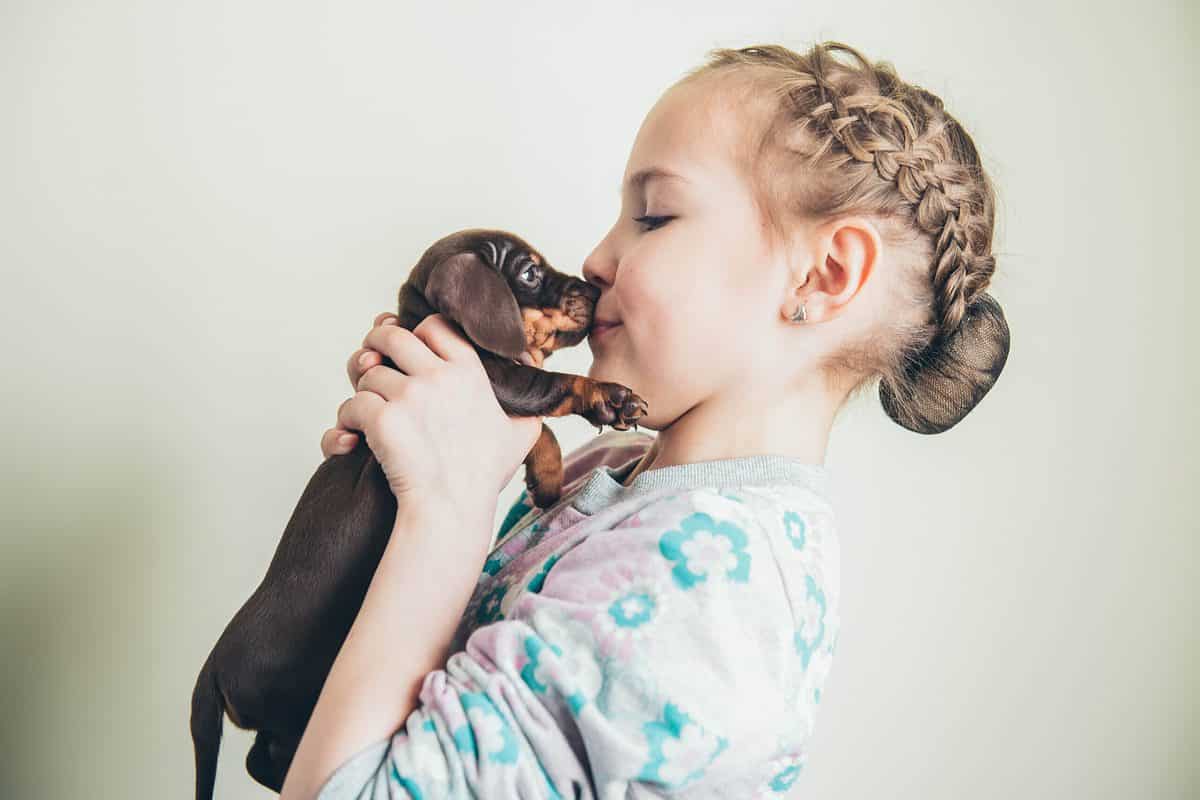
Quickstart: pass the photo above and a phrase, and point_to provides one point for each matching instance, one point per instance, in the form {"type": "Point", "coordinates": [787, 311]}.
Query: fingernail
{"type": "Point", "coordinates": [364, 359]}
{"type": "Point", "coordinates": [346, 439]}
{"type": "Point", "coordinates": [390, 321]}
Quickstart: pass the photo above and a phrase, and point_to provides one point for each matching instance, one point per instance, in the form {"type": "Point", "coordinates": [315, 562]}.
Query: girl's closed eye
{"type": "Point", "coordinates": [651, 220]}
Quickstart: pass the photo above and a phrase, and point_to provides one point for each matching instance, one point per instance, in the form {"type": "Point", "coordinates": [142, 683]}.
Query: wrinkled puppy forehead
{"type": "Point", "coordinates": [534, 282]}
{"type": "Point", "coordinates": [503, 250]}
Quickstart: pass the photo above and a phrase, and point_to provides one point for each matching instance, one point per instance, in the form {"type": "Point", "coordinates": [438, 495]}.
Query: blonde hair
{"type": "Point", "coordinates": [852, 138]}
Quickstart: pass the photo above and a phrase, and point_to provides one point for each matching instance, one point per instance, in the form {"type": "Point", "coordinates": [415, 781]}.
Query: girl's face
{"type": "Point", "coordinates": [696, 294]}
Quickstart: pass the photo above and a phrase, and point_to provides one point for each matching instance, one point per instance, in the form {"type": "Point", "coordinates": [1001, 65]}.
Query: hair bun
{"type": "Point", "coordinates": [952, 375]}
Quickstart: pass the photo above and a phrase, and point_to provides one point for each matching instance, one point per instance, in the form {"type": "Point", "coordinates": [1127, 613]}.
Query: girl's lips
{"type": "Point", "coordinates": [599, 329]}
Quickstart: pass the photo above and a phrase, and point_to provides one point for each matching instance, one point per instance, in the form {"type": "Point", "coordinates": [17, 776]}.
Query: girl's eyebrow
{"type": "Point", "coordinates": [643, 176]}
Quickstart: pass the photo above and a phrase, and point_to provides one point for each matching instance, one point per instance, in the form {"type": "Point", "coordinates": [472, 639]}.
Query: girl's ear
{"type": "Point", "coordinates": [841, 258]}
{"type": "Point", "coordinates": [465, 289]}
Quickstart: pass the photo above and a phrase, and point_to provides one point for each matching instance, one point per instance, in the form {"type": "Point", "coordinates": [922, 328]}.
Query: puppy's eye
{"type": "Point", "coordinates": [531, 276]}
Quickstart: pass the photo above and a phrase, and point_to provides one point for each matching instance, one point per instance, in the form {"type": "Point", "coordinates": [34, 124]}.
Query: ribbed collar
{"type": "Point", "coordinates": [603, 486]}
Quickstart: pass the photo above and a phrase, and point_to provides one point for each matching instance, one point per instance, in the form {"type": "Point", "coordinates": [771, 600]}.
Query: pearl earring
{"type": "Point", "coordinates": [800, 314]}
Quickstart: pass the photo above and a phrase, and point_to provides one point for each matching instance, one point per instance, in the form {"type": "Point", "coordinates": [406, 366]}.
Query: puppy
{"type": "Point", "coordinates": [267, 669]}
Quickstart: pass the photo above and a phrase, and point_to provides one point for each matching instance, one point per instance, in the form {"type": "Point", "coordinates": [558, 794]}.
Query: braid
{"type": "Point", "coordinates": [868, 142]}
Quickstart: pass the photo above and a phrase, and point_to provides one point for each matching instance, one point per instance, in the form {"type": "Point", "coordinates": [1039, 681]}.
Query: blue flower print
{"type": "Point", "coordinates": [493, 563]}
{"type": "Point", "coordinates": [533, 650]}
{"type": "Point", "coordinates": [495, 738]}
{"type": "Point", "coordinates": [812, 621]}
{"type": "Point", "coordinates": [795, 528]}
{"type": "Point", "coordinates": [489, 605]}
{"type": "Point", "coordinates": [550, 790]}
{"type": "Point", "coordinates": [409, 785]}
{"type": "Point", "coordinates": [784, 780]}
{"type": "Point", "coordinates": [535, 583]}
{"type": "Point", "coordinates": [704, 548]}
{"type": "Point", "coordinates": [632, 609]}
{"type": "Point", "coordinates": [787, 769]}
{"type": "Point", "coordinates": [574, 675]}
{"type": "Point", "coordinates": [498, 558]}
{"type": "Point", "coordinates": [734, 496]}
{"type": "Point", "coordinates": [518, 510]}
{"type": "Point", "coordinates": [680, 749]}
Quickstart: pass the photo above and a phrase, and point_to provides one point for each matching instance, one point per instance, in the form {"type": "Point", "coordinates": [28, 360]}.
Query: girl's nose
{"type": "Point", "coordinates": [594, 276]}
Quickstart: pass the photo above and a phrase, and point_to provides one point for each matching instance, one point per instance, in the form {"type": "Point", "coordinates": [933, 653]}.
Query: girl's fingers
{"type": "Point", "coordinates": [360, 361]}
{"type": "Point", "coordinates": [337, 441]}
{"type": "Point", "coordinates": [364, 358]}
{"type": "Point", "coordinates": [355, 413]}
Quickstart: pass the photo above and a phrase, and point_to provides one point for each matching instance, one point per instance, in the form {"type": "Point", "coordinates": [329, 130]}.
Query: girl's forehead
{"type": "Point", "coordinates": [689, 131]}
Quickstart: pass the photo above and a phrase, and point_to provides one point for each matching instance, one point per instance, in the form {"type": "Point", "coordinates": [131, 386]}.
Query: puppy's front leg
{"type": "Point", "coordinates": [525, 391]}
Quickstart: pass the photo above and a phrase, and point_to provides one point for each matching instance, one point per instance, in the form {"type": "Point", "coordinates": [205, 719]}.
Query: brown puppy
{"type": "Point", "coordinates": [267, 669]}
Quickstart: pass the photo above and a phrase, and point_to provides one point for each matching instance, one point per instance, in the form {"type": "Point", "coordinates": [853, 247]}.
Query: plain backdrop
{"type": "Point", "coordinates": [203, 205]}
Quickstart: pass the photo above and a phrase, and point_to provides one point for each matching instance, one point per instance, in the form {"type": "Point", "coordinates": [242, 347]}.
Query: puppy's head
{"type": "Point", "coordinates": [504, 294]}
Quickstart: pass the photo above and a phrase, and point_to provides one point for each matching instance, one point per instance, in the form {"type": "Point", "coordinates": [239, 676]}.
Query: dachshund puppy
{"type": "Point", "coordinates": [267, 669]}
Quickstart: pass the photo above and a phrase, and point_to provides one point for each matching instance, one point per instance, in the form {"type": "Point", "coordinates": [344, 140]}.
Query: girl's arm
{"type": "Point", "coordinates": [406, 623]}
{"type": "Point", "coordinates": [447, 448]}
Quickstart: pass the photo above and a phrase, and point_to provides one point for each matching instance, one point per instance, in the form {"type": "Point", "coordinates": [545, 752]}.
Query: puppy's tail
{"type": "Point", "coordinates": [208, 712]}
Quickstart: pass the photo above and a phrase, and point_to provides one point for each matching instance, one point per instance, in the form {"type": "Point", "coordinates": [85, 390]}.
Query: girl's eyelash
{"type": "Point", "coordinates": [646, 220]}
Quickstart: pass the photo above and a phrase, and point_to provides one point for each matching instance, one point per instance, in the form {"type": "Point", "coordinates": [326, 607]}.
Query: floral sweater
{"type": "Point", "coordinates": [670, 637]}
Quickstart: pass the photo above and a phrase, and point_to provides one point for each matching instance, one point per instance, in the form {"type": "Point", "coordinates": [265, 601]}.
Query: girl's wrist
{"type": "Point", "coordinates": [463, 519]}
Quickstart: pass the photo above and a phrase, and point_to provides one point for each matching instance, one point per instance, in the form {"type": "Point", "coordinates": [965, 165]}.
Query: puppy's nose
{"type": "Point", "coordinates": [588, 290]}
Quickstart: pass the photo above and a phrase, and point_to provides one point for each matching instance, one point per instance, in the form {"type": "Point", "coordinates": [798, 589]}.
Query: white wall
{"type": "Point", "coordinates": [204, 204]}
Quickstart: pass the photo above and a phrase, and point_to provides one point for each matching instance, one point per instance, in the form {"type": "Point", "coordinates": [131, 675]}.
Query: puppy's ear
{"type": "Point", "coordinates": [465, 289]}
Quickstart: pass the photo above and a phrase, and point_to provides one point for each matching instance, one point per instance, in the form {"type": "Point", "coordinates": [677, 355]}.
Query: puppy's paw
{"type": "Point", "coordinates": [613, 404]}
{"type": "Point", "coordinates": [544, 489]}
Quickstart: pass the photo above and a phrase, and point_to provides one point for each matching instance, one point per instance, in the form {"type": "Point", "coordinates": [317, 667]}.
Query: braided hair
{"type": "Point", "coordinates": [868, 143]}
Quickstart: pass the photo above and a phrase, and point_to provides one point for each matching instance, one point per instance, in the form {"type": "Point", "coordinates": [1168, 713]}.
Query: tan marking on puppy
{"type": "Point", "coordinates": [571, 402]}
{"type": "Point", "coordinates": [542, 326]}
{"type": "Point", "coordinates": [561, 320]}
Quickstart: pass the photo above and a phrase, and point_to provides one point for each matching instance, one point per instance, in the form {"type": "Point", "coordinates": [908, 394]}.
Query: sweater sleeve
{"type": "Point", "coordinates": [654, 656]}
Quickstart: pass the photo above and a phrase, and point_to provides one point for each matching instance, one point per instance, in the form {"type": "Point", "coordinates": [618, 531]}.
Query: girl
{"type": "Point", "coordinates": [795, 227]}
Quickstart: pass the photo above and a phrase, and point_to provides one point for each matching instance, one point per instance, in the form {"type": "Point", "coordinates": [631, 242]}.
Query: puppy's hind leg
{"type": "Point", "coordinates": [543, 469]}
{"type": "Point", "coordinates": [269, 760]}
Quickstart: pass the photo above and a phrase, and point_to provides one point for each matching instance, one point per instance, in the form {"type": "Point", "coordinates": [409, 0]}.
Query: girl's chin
{"type": "Point", "coordinates": [602, 370]}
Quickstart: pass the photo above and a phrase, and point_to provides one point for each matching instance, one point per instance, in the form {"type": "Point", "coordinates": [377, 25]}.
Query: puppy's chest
{"type": "Point", "coordinates": [517, 565]}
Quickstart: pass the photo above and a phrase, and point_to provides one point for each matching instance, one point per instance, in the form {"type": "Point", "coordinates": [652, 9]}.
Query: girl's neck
{"type": "Point", "coordinates": [732, 427]}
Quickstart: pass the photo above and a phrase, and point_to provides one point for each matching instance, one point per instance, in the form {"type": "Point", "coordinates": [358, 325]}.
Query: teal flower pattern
{"type": "Point", "coordinates": [785, 769]}
{"type": "Point", "coordinates": [535, 583]}
{"type": "Point", "coordinates": [518, 510]}
{"type": "Point", "coordinates": [812, 622]}
{"type": "Point", "coordinates": [574, 675]}
{"type": "Point", "coordinates": [622, 658]}
{"type": "Point", "coordinates": [493, 563]}
{"type": "Point", "coordinates": [680, 749]}
{"type": "Point", "coordinates": [407, 784]}
{"type": "Point", "coordinates": [795, 528]}
{"type": "Point", "coordinates": [487, 732]}
{"type": "Point", "coordinates": [489, 605]}
{"type": "Point", "coordinates": [536, 532]}
{"type": "Point", "coordinates": [705, 548]}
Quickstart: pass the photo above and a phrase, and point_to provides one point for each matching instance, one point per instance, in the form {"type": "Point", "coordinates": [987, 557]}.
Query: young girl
{"type": "Point", "coordinates": [794, 228]}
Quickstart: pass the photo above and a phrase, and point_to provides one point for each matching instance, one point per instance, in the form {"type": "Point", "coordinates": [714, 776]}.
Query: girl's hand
{"type": "Point", "coordinates": [338, 440]}
{"type": "Point", "coordinates": [433, 422]}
